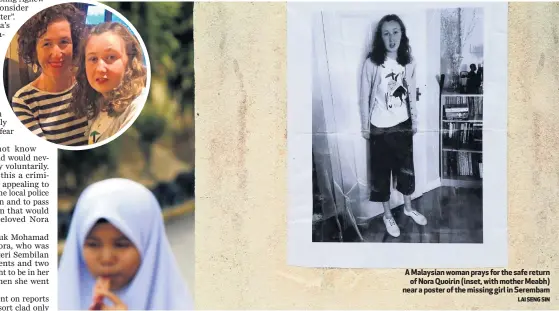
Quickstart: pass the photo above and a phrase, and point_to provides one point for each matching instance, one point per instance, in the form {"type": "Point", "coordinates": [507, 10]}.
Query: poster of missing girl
{"type": "Point", "coordinates": [397, 135]}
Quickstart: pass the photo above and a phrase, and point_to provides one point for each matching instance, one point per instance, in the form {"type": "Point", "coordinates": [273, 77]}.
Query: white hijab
{"type": "Point", "coordinates": [134, 210]}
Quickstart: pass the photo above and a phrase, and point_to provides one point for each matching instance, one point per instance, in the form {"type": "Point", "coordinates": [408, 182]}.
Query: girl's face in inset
{"type": "Point", "coordinates": [391, 36]}
{"type": "Point", "coordinates": [109, 253]}
{"type": "Point", "coordinates": [105, 62]}
{"type": "Point", "coordinates": [54, 50]}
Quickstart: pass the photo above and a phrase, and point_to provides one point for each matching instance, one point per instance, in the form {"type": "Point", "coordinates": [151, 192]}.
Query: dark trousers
{"type": "Point", "coordinates": [391, 153]}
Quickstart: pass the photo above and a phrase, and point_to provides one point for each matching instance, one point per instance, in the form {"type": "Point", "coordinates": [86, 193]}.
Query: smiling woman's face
{"type": "Point", "coordinates": [105, 61]}
{"type": "Point", "coordinates": [54, 50]}
{"type": "Point", "coordinates": [109, 253]}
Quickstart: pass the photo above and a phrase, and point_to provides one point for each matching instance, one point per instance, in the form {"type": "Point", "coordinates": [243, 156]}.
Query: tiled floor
{"type": "Point", "coordinates": [454, 215]}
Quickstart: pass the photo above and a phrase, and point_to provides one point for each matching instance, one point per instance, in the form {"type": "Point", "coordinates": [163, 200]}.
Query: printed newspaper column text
{"type": "Point", "coordinates": [525, 285]}
{"type": "Point", "coordinates": [27, 190]}
{"type": "Point", "coordinates": [3, 127]}
{"type": "Point", "coordinates": [24, 210]}
{"type": "Point", "coordinates": [8, 10]}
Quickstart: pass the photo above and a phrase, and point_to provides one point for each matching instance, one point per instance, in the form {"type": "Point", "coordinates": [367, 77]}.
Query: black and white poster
{"type": "Point", "coordinates": [397, 135]}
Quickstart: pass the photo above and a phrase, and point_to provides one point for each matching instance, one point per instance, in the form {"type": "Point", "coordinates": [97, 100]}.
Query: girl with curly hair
{"type": "Point", "coordinates": [48, 41]}
{"type": "Point", "coordinates": [389, 117]}
{"type": "Point", "coordinates": [111, 80]}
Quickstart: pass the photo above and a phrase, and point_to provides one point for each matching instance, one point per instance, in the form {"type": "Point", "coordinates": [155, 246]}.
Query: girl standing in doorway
{"type": "Point", "coordinates": [389, 117]}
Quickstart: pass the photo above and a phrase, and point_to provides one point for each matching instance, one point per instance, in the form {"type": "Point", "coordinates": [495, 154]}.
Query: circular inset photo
{"type": "Point", "coordinates": [77, 74]}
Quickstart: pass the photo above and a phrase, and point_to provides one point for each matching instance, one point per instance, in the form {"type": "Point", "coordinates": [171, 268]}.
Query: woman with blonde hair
{"type": "Point", "coordinates": [111, 80]}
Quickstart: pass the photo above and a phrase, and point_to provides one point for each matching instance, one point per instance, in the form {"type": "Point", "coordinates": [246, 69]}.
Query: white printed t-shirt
{"type": "Point", "coordinates": [390, 99]}
{"type": "Point", "coordinates": [105, 126]}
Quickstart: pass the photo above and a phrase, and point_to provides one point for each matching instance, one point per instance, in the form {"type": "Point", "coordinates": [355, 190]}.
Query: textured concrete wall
{"type": "Point", "coordinates": [241, 167]}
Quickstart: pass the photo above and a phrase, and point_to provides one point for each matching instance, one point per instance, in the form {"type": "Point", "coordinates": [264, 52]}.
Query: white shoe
{"type": "Point", "coordinates": [416, 216]}
{"type": "Point", "coordinates": [391, 226]}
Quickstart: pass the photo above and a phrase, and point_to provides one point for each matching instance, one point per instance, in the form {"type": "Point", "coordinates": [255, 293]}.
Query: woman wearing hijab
{"type": "Point", "coordinates": [117, 255]}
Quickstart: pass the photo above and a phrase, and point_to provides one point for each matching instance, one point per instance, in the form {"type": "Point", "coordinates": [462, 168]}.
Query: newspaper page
{"type": "Point", "coordinates": [397, 135]}
{"type": "Point", "coordinates": [97, 156]}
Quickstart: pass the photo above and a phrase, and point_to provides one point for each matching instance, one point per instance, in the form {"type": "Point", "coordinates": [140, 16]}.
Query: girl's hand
{"type": "Point", "coordinates": [365, 134]}
{"type": "Point", "coordinates": [117, 303]}
{"type": "Point", "coordinates": [413, 129]}
{"type": "Point", "coordinates": [102, 283]}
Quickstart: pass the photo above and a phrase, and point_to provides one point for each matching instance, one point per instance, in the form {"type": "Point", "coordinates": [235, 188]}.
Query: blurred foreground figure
{"type": "Point", "coordinates": [117, 255]}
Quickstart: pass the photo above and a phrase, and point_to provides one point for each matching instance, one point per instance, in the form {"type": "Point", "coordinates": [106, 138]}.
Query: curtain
{"type": "Point", "coordinates": [339, 150]}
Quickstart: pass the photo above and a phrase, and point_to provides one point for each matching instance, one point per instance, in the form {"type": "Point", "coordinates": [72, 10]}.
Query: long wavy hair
{"type": "Point", "coordinates": [86, 100]}
{"type": "Point", "coordinates": [378, 53]}
{"type": "Point", "coordinates": [36, 27]}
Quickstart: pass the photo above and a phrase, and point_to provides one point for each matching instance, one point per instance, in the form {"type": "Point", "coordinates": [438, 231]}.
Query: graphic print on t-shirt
{"type": "Point", "coordinates": [94, 137]}
{"type": "Point", "coordinates": [396, 88]}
